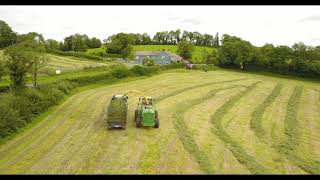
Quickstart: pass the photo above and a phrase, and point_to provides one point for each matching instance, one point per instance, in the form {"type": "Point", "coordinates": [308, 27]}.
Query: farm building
{"type": "Point", "coordinates": [160, 57]}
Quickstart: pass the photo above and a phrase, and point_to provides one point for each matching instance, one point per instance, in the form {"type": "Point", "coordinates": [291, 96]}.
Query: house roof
{"type": "Point", "coordinates": [156, 53]}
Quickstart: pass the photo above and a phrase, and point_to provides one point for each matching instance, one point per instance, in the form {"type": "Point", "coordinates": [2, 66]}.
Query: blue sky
{"type": "Point", "coordinates": [280, 25]}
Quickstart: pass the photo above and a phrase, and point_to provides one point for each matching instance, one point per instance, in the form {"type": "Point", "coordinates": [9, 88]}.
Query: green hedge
{"type": "Point", "coordinates": [204, 67]}
{"type": "Point", "coordinates": [17, 110]}
{"type": "Point", "coordinates": [77, 54]}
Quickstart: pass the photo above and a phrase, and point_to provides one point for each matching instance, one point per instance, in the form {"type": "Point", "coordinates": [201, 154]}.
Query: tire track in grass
{"type": "Point", "coordinates": [256, 117]}
{"type": "Point", "coordinates": [242, 156]}
{"type": "Point", "coordinates": [186, 136]}
{"type": "Point", "coordinates": [292, 135]}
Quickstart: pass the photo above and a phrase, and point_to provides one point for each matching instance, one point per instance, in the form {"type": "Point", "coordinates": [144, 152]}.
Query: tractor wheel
{"type": "Point", "coordinates": [135, 115]}
{"type": "Point", "coordinates": [156, 125]}
{"type": "Point", "coordinates": [138, 123]}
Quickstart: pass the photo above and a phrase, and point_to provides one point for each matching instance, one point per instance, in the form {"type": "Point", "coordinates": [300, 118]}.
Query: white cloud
{"type": "Point", "coordinates": [192, 21]}
{"type": "Point", "coordinates": [310, 18]}
{"type": "Point", "coordinates": [258, 24]}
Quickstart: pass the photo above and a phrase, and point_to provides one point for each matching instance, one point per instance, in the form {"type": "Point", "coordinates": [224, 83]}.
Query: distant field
{"type": "Point", "coordinates": [66, 63]}
{"type": "Point", "coordinates": [196, 56]}
{"type": "Point", "coordinates": [172, 48]}
{"type": "Point", "coordinates": [69, 66]}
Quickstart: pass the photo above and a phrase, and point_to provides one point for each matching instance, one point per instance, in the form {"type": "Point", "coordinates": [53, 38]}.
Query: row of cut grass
{"type": "Point", "coordinates": [242, 156]}
{"type": "Point", "coordinates": [256, 120]}
{"type": "Point", "coordinates": [186, 136]}
{"type": "Point", "coordinates": [292, 136]}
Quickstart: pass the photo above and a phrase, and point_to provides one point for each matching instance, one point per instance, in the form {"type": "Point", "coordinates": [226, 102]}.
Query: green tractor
{"type": "Point", "coordinates": [146, 114]}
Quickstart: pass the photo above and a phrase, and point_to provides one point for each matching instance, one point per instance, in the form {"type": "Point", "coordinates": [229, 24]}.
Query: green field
{"type": "Point", "coordinates": [71, 67]}
{"type": "Point", "coordinates": [219, 122]}
{"type": "Point", "coordinates": [196, 57]}
{"type": "Point", "coordinates": [69, 63]}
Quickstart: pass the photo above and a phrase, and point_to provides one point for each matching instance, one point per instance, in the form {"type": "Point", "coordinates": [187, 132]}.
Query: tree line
{"type": "Point", "coordinates": [230, 51]}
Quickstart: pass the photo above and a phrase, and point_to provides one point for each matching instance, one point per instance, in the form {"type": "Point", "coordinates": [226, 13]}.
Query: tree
{"type": "Point", "coordinates": [216, 41]}
{"type": "Point", "coordinates": [52, 44]}
{"type": "Point", "coordinates": [37, 59]}
{"type": "Point", "coordinates": [121, 44]}
{"type": "Point", "coordinates": [185, 49]}
{"type": "Point", "coordinates": [127, 52]}
{"type": "Point", "coordinates": [17, 61]}
{"type": "Point", "coordinates": [177, 36]}
{"type": "Point", "coordinates": [2, 69]}
{"type": "Point", "coordinates": [148, 62]}
{"type": "Point", "coordinates": [24, 57]}
{"type": "Point", "coordinates": [212, 58]}
{"type": "Point", "coordinates": [7, 36]}
{"type": "Point", "coordinates": [30, 37]}
{"type": "Point", "coordinates": [235, 52]}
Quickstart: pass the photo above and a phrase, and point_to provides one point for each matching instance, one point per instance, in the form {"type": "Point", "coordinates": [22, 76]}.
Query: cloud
{"type": "Point", "coordinates": [173, 18]}
{"type": "Point", "coordinates": [310, 18]}
{"type": "Point", "coordinates": [193, 21]}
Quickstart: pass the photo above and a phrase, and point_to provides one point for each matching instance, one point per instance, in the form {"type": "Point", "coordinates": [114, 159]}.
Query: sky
{"type": "Point", "coordinates": [279, 25]}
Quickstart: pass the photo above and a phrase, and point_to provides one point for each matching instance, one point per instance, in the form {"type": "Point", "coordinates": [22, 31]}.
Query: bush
{"type": "Point", "coordinates": [9, 120]}
{"type": "Point", "coordinates": [140, 70]}
{"type": "Point", "coordinates": [205, 67]}
{"type": "Point", "coordinates": [121, 72]}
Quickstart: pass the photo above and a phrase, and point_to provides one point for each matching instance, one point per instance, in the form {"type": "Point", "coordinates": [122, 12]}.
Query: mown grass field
{"type": "Point", "coordinates": [70, 67]}
{"type": "Point", "coordinates": [68, 63]}
{"type": "Point", "coordinates": [219, 122]}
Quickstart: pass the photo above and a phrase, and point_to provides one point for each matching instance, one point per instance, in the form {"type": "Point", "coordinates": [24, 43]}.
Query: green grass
{"type": "Point", "coordinates": [71, 67]}
{"type": "Point", "coordinates": [199, 132]}
{"type": "Point", "coordinates": [256, 120]}
{"type": "Point", "coordinates": [242, 156]}
{"type": "Point", "coordinates": [293, 136]}
{"type": "Point", "coordinates": [186, 136]}
{"type": "Point", "coordinates": [196, 56]}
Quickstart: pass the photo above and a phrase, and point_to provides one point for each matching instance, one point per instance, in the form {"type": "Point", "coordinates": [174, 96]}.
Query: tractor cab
{"type": "Point", "coordinates": [146, 113]}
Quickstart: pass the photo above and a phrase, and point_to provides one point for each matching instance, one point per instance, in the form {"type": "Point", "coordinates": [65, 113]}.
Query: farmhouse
{"type": "Point", "coordinates": [160, 57]}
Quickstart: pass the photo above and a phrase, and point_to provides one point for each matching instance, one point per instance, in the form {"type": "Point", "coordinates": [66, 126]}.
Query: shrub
{"type": "Point", "coordinates": [76, 54]}
{"type": "Point", "coordinates": [140, 70]}
{"type": "Point", "coordinates": [121, 72]}
{"type": "Point", "coordinates": [9, 120]}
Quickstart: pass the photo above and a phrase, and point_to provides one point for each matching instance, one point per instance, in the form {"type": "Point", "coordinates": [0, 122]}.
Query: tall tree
{"type": "Point", "coordinates": [17, 61]}
{"type": "Point", "coordinates": [216, 41]}
{"type": "Point", "coordinates": [52, 44]}
{"type": "Point", "coordinates": [7, 36]}
{"type": "Point", "coordinates": [185, 49]}
{"type": "Point", "coordinates": [177, 36]}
